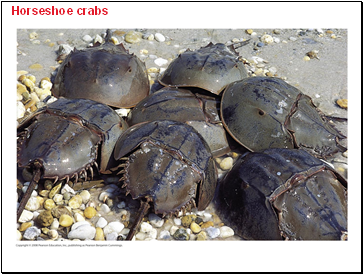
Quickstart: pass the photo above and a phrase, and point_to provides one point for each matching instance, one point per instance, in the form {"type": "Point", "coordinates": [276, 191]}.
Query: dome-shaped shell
{"type": "Point", "coordinates": [265, 112]}
{"type": "Point", "coordinates": [210, 68]}
{"type": "Point", "coordinates": [107, 74]}
{"type": "Point", "coordinates": [283, 193]}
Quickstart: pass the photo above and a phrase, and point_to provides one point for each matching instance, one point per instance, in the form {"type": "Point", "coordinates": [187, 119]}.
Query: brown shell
{"type": "Point", "coordinates": [67, 136]}
{"type": "Point", "coordinates": [210, 68]}
{"type": "Point", "coordinates": [198, 111]}
{"type": "Point", "coordinates": [283, 193]}
{"type": "Point", "coordinates": [170, 164]}
{"type": "Point", "coordinates": [107, 74]}
{"type": "Point", "coordinates": [264, 112]}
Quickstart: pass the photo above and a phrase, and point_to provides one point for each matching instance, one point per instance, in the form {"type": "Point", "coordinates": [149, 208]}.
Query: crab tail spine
{"type": "Point", "coordinates": [36, 177]}
{"type": "Point", "coordinates": [144, 207]}
{"type": "Point", "coordinates": [108, 35]}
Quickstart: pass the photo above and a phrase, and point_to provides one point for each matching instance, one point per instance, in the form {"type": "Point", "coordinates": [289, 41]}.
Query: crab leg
{"type": "Point", "coordinates": [144, 207]}
{"type": "Point", "coordinates": [36, 177]}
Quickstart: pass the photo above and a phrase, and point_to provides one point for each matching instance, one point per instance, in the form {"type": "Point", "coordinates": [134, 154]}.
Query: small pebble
{"type": "Point", "coordinates": [98, 39]}
{"type": "Point", "coordinates": [25, 226]}
{"type": "Point", "coordinates": [104, 208]}
{"type": "Point", "coordinates": [31, 233]}
{"type": "Point", "coordinates": [54, 190]}
{"type": "Point", "coordinates": [114, 40]}
{"type": "Point", "coordinates": [164, 235]}
{"type": "Point", "coordinates": [65, 220]}
{"type": "Point", "coordinates": [160, 61]}
{"type": "Point", "coordinates": [21, 89]}
{"type": "Point", "coordinates": [226, 163]}
{"type": "Point", "coordinates": [31, 78]}
{"type": "Point", "coordinates": [202, 236]}
{"type": "Point", "coordinates": [273, 70]}
{"type": "Point", "coordinates": [313, 54]}
{"type": "Point", "coordinates": [133, 37]}
{"type": "Point", "coordinates": [101, 223]}
{"type": "Point", "coordinates": [26, 216]}
{"type": "Point", "coordinates": [33, 35]}
{"type": "Point", "coordinates": [113, 227]}
{"type": "Point", "coordinates": [64, 49]}
{"type": "Point", "coordinates": [140, 236]}
{"type": "Point", "coordinates": [145, 227]}
{"type": "Point", "coordinates": [260, 44]}
{"type": "Point", "coordinates": [85, 195]}
{"type": "Point", "coordinates": [306, 58]}
{"type": "Point", "coordinates": [292, 38]}
{"type": "Point", "coordinates": [75, 201]}
{"type": "Point", "coordinates": [67, 188]}
{"type": "Point", "coordinates": [249, 31]}
{"type": "Point", "coordinates": [55, 224]}
{"type": "Point", "coordinates": [45, 218]}
{"type": "Point", "coordinates": [60, 210]}
{"type": "Point", "coordinates": [20, 110]}
{"type": "Point", "coordinates": [78, 224]}
{"type": "Point", "coordinates": [83, 232]}
{"type": "Point", "coordinates": [207, 224]}
{"type": "Point", "coordinates": [90, 212]}
{"type": "Point", "coordinates": [267, 39]}
{"type": "Point", "coordinates": [181, 235]}
{"type": "Point", "coordinates": [87, 38]}
{"type": "Point", "coordinates": [277, 31]}
{"type": "Point", "coordinates": [66, 196]}
{"type": "Point", "coordinates": [53, 234]}
{"type": "Point", "coordinates": [42, 93]}
{"type": "Point", "coordinates": [188, 219]}
{"type": "Point", "coordinates": [20, 73]}
{"type": "Point", "coordinates": [159, 37]}
{"type": "Point", "coordinates": [45, 230]}
{"type": "Point", "coordinates": [100, 236]}
{"type": "Point", "coordinates": [36, 67]}
{"type": "Point", "coordinates": [213, 232]}
{"type": "Point", "coordinates": [277, 40]}
{"type": "Point", "coordinates": [173, 229]}
{"type": "Point", "coordinates": [343, 103]}
{"type": "Point", "coordinates": [78, 217]}
{"type": "Point", "coordinates": [177, 221]}
{"type": "Point", "coordinates": [153, 233]}
{"type": "Point", "coordinates": [155, 220]}
{"type": "Point", "coordinates": [18, 236]}
{"type": "Point", "coordinates": [226, 232]}
{"type": "Point", "coordinates": [111, 236]}
{"type": "Point", "coordinates": [57, 198]}
{"type": "Point", "coordinates": [195, 228]}
{"type": "Point", "coordinates": [29, 84]}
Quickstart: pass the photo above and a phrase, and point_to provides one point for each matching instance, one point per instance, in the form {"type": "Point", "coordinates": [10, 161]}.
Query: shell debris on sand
{"type": "Point", "coordinates": [274, 58]}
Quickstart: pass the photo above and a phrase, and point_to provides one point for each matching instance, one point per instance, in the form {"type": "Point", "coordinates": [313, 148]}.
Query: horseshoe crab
{"type": "Point", "coordinates": [167, 164]}
{"type": "Point", "coordinates": [104, 73]}
{"type": "Point", "coordinates": [67, 138]}
{"type": "Point", "coordinates": [198, 111]}
{"type": "Point", "coordinates": [211, 68]}
{"type": "Point", "coordinates": [284, 194]}
{"type": "Point", "coordinates": [264, 112]}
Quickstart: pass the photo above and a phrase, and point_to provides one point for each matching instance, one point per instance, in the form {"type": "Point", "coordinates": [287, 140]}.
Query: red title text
{"type": "Point", "coordinates": [16, 10]}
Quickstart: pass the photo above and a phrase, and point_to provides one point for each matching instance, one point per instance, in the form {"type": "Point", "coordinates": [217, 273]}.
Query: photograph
{"type": "Point", "coordinates": [203, 141]}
